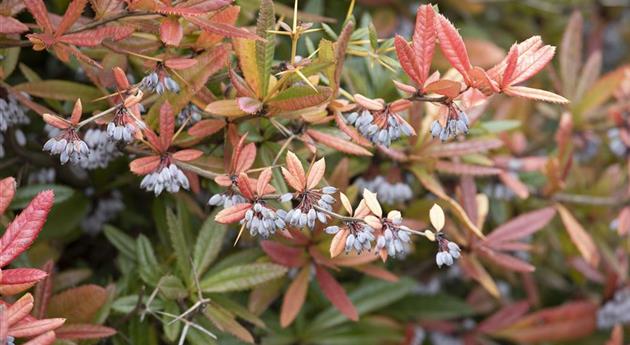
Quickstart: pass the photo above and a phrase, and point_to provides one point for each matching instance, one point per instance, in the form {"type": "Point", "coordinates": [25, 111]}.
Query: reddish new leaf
{"type": "Point", "coordinates": [294, 297]}
{"type": "Point", "coordinates": [504, 317]}
{"type": "Point", "coordinates": [232, 214]}
{"type": "Point", "coordinates": [144, 165]}
{"type": "Point", "coordinates": [453, 48]}
{"type": "Point", "coordinates": [582, 240]}
{"type": "Point", "coordinates": [21, 308]}
{"type": "Point", "coordinates": [245, 158]}
{"type": "Point", "coordinates": [91, 38]}
{"type": "Point", "coordinates": [43, 291]}
{"type": "Point", "coordinates": [44, 339]}
{"type": "Point", "coordinates": [40, 13]}
{"type": "Point", "coordinates": [521, 226]}
{"type": "Point", "coordinates": [335, 293]}
{"type": "Point", "coordinates": [21, 276]}
{"type": "Point", "coordinates": [171, 32]}
{"type": "Point", "coordinates": [424, 41]}
{"type": "Point", "coordinates": [23, 230]}
{"type": "Point", "coordinates": [187, 155]}
{"type": "Point", "coordinates": [338, 143]}
{"type": "Point", "coordinates": [222, 29]}
{"type": "Point", "coordinates": [283, 254]}
{"type": "Point", "coordinates": [407, 60]}
{"type": "Point", "coordinates": [316, 173]}
{"type": "Point", "coordinates": [180, 63]}
{"type": "Point", "coordinates": [7, 191]}
{"type": "Point", "coordinates": [535, 94]}
{"type": "Point", "coordinates": [73, 12]}
{"type": "Point", "coordinates": [295, 168]}
{"type": "Point", "coordinates": [167, 125]}
{"type": "Point", "coordinates": [10, 25]}
{"type": "Point", "coordinates": [84, 331]}
{"type": "Point", "coordinates": [26, 329]}
{"type": "Point", "coordinates": [206, 128]}
{"type": "Point", "coordinates": [505, 260]}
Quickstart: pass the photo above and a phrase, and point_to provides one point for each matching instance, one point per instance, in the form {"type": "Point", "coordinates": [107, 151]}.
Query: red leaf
{"type": "Point", "coordinates": [316, 174]}
{"type": "Point", "coordinates": [33, 328]}
{"type": "Point", "coordinates": [222, 29]}
{"type": "Point", "coordinates": [377, 272]}
{"type": "Point", "coordinates": [91, 38]}
{"type": "Point", "coordinates": [7, 191]}
{"type": "Point", "coordinates": [453, 48]}
{"type": "Point", "coordinates": [407, 59]}
{"type": "Point", "coordinates": [263, 181]}
{"type": "Point", "coordinates": [504, 317]}
{"type": "Point", "coordinates": [167, 125]}
{"type": "Point", "coordinates": [521, 226]}
{"type": "Point", "coordinates": [232, 214]}
{"type": "Point", "coordinates": [73, 12]}
{"type": "Point", "coordinates": [79, 304]}
{"type": "Point", "coordinates": [23, 230]}
{"type": "Point", "coordinates": [144, 165]}
{"type": "Point", "coordinates": [582, 240]}
{"type": "Point", "coordinates": [40, 13]}
{"type": "Point", "coordinates": [444, 87]}
{"type": "Point", "coordinates": [195, 9]}
{"type": "Point", "coordinates": [505, 260]}
{"type": "Point", "coordinates": [532, 63]}
{"type": "Point", "coordinates": [535, 94]}
{"type": "Point", "coordinates": [294, 297]}
{"type": "Point", "coordinates": [171, 32]}
{"type": "Point", "coordinates": [44, 339]}
{"type": "Point", "coordinates": [616, 337]}
{"type": "Point", "coordinates": [187, 155]}
{"type": "Point", "coordinates": [245, 158]}
{"type": "Point", "coordinates": [84, 331]}
{"type": "Point", "coordinates": [283, 254]}
{"type": "Point", "coordinates": [180, 63]}
{"type": "Point", "coordinates": [206, 128]}
{"type": "Point", "coordinates": [10, 25]}
{"type": "Point", "coordinates": [43, 291]}
{"type": "Point", "coordinates": [21, 276]}
{"type": "Point", "coordinates": [424, 41]}
{"type": "Point", "coordinates": [21, 308]}
{"type": "Point", "coordinates": [338, 143]}
{"type": "Point", "coordinates": [465, 169]}
{"type": "Point", "coordinates": [294, 167]}
{"type": "Point", "coordinates": [77, 111]}
{"type": "Point", "coordinates": [245, 187]}
{"type": "Point", "coordinates": [335, 293]}
{"type": "Point", "coordinates": [510, 66]}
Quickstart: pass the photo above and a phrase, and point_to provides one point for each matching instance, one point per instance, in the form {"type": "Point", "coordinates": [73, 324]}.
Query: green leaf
{"type": "Point", "coordinates": [178, 241]}
{"type": "Point", "coordinates": [434, 307]}
{"type": "Point", "coordinates": [370, 296]}
{"type": "Point", "coordinates": [123, 242]}
{"type": "Point", "coordinates": [242, 277]}
{"type": "Point", "coordinates": [300, 97]}
{"type": "Point", "coordinates": [147, 263]}
{"type": "Point", "coordinates": [172, 287]}
{"type": "Point", "coordinates": [171, 329]}
{"type": "Point", "coordinates": [66, 217]}
{"type": "Point", "coordinates": [265, 49]}
{"type": "Point", "coordinates": [237, 309]}
{"type": "Point", "coordinates": [9, 61]}
{"type": "Point", "coordinates": [241, 257]}
{"type": "Point", "coordinates": [373, 36]}
{"type": "Point", "coordinates": [498, 126]}
{"type": "Point", "coordinates": [126, 304]}
{"type": "Point", "coordinates": [64, 90]}
{"type": "Point", "coordinates": [326, 54]}
{"type": "Point", "coordinates": [329, 31]}
{"type": "Point", "coordinates": [208, 244]}
{"type": "Point", "coordinates": [25, 194]}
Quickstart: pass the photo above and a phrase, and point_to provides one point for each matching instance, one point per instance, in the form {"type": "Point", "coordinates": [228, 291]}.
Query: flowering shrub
{"type": "Point", "coordinates": [229, 166]}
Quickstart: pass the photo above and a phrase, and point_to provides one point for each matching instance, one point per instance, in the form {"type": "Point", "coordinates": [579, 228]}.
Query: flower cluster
{"type": "Point", "coordinates": [456, 123]}
{"type": "Point", "coordinates": [313, 203]}
{"type": "Point", "coordinates": [105, 210]}
{"type": "Point", "coordinates": [159, 81]}
{"type": "Point", "coordinates": [394, 237]}
{"type": "Point", "coordinates": [615, 311]}
{"type": "Point", "coordinates": [262, 220]}
{"type": "Point", "coordinates": [102, 149]}
{"type": "Point", "coordinates": [190, 113]}
{"type": "Point", "coordinates": [226, 199]}
{"type": "Point", "coordinates": [380, 122]}
{"type": "Point", "coordinates": [355, 234]}
{"type": "Point", "coordinates": [69, 146]}
{"type": "Point", "coordinates": [167, 177]}
{"type": "Point", "coordinates": [447, 251]}
{"type": "Point", "coordinates": [121, 127]}
{"type": "Point", "coordinates": [11, 114]}
{"type": "Point", "coordinates": [388, 192]}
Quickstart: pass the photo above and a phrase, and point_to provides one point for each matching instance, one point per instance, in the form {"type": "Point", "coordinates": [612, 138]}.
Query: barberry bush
{"type": "Point", "coordinates": [313, 172]}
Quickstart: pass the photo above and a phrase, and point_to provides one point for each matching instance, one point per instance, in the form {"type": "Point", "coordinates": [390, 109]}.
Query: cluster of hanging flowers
{"type": "Point", "coordinates": [365, 229]}
{"type": "Point", "coordinates": [379, 122]}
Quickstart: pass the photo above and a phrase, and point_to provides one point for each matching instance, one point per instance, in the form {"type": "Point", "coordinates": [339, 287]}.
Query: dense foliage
{"type": "Point", "coordinates": [316, 172]}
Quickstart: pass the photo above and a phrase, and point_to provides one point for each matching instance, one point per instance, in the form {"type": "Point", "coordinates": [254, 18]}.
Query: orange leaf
{"type": "Point", "coordinates": [21, 308]}
{"type": "Point", "coordinates": [73, 12]}
{"type": "Point", "coordinates": [23, 230]}
{"type": "Point", "coordinates": [205, 128]}
{"type": "Point", "coordinates": [263, 181]}
{"type": "Point", "coordinates": [294, 166]}
{"type": "Point", "coordinates": [232, 214]}
{"type": "Point", "coordinates": [21, 276]}
{"type": "Point", "coordinates": [180, 63]}
{"type": "Point", "coordinates": [40, 13]}
{"type": "Point", "coordinates": [335, 293]}
{"type": "Point", "coordinates": [167, 125]}
{"type": "Point", "coordinates": [7, 191]}
{"type": "Point", "coordinates": [187, 155]}
{"type": "Point", "coordinates": [582, 240]}
{"type": "Point", "coordinates": [294, 297]}
{"type": "Point", "coordinates": [536, 94]}
{"type": "Point", "coordinates": [283, 254]}
{"type": "Point", "coordinates": [79, 304]}
{"type": "Point", "coordinates": [522, 226]}
{"type": "Point", "coordinates": [144, 165]}
{"type": "Point", "coordinates": [171, 32]}
{"type": "Point", "coordinates": [84, 331]}
{"type": "Point", "coordinates": [444, 87]}
{"type": "Point", "coordinates": [33, 328]}
{"type": "Point", "coordinates": [44, 339]}
{"type": "Point", "coordinates": [453, 48]}
{"type": "Point", "coordinates": [424, 41]}
{"type": "Point", "coordinates": [338, 143]}
{"type": "Point", "coordinates": [316, 173]}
